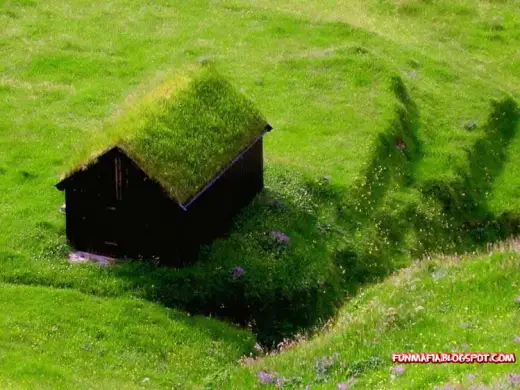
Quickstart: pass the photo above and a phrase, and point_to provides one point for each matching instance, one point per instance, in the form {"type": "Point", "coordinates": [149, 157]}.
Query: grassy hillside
{"type": "Point", "coordinates": [396, 136]}
{"type": "Point", "coordinates": [451, 305]}
{"type": "Point", "coordinates": [62, 339]}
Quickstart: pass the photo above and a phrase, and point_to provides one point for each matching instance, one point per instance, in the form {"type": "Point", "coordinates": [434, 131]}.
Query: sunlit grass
{"type": "Point", "coordinates": [182, 133]}
{"type": "Point", "coordinates": [342, 83]}
{"type": "Point", "coordinates": [62, 339]}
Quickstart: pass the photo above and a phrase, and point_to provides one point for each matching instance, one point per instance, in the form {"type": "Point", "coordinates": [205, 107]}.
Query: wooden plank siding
{"type": "Point", "coordinates": [113, 208]}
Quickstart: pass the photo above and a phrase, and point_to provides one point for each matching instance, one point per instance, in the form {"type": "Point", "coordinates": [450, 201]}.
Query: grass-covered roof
{"type": "Point", "coordinates": [183, 132]}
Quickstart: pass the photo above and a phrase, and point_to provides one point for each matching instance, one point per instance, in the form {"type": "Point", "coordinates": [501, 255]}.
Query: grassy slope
{"type": "Point", "coordinates": [61, 79]}
{"type": "Point", "coordinates": [62, 339]}
{"type": "Point", "coordinates": [337, 81]}
{"type": "Point", "coordinates": [326, 89]}
{"type": "Point", "coordinates": [455, 56]}
{"type": "Point", "coordinates": [452, 304]}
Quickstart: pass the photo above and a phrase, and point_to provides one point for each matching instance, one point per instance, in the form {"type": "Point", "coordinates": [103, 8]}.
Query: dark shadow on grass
{"type": "Point", "coordinates": [465, 199]}
{"type": "Point", "coordinates": [396, 150]}
{"type": "Point", "coordinates": [284, 288]}
{"type": "Point", "coordinates": [391, 206]}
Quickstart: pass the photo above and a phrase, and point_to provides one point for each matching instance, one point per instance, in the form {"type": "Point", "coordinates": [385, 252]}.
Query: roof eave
{"type": "Point", "coordinates": [61, 185]}
{"type": "Point", "coordinates": [71, 173]}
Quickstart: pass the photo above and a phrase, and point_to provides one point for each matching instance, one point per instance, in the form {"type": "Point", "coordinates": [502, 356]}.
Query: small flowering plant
{"type": "Point", "coordinates": [324, 364]}
{"type": "Point", "coordinates": [268, 378]}
{"type": "Point", "coordinates": [514, 379]}
{"type": "Point", "coordinates": [346, 385]}
{"type": "Point", "coordinates": [265, 378]}
{"type": "Point", "coordinates": [447, 386]}
{"type": "Point", "coordinates": [397, 370]}
{"type": "Point", "coordinates": [279, 236]}
{"type": "Point", "coordinates": [237, 272]}
{"type": "Point", "coordinates": [276, 241]}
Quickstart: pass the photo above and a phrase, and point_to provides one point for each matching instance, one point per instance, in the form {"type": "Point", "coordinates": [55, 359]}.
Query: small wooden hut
{"type": "Point", "coordinates": [169, 173]}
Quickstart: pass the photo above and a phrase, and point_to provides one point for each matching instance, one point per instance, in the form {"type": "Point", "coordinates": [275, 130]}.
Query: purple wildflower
{"type": "Point", "coordinates": [346, 385]}
{"type": "Point", "coordinates": [471, 377]}
{"type": "Point", "coordinates": [514, 379]}
{"type": "Point", "coordinates": [479, 387]}
{"type": "Point", "coordinates": [279, 236]}
{"type": "Point", "coordinates": [397, 370]}
{"type": "Point", "coordinates": [237, 272]}
{"type": "Point", "coordinates": [516, 339]}
{"type": "Point", "coordinates": [445, 387]}
{"type": "Point", "coordinates": [517, 299]}
{"type": "Point", "coordinates": [323, 364]}
{"type": "Point", "coordinates": [399, 143]}
{"type": "Point", "coordinates": [279, 382]}
{"type": "Point", "coordinates": [264, 378]}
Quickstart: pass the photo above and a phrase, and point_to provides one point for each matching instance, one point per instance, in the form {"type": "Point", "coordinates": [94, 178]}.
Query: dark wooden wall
{"type": "Point", "coordinates": [211, 214]}
{"type": "Point", "coordinates": [113, 208]}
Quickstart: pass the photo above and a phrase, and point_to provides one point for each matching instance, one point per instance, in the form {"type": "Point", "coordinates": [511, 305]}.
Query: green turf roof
{"type": "Point", "coordinates": [183, 132]}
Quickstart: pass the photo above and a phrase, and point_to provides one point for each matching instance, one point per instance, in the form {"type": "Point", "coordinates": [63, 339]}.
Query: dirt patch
{"type": "Point", "coordinates": [85, 257]}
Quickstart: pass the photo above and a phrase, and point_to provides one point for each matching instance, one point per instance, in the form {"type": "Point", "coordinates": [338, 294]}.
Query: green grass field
{"type": "Point", "coordinates": [64, 339]}
{"type": "Point", "coordinates": [340, 82]}
{"type": "Point", "coordinates": [453, 305]}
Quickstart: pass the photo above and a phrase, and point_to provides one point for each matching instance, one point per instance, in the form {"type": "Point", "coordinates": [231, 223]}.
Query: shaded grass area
{"type": "Point", "coordinates": [281, 291]}
{"type": "Point", "coordinates": [452, 304]}
{"type": "Point", "coordinates": [62, 339]}
{"type": "Point", "coordinates": [466, 198]}
{"type": "Point", "coordinates": [299, 287]}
